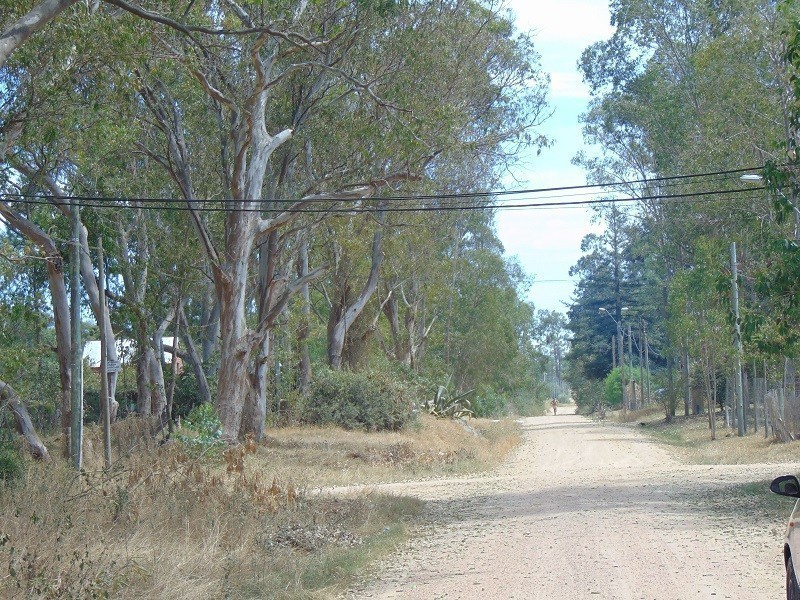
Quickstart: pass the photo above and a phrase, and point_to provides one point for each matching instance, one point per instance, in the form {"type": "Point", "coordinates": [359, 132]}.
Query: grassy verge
{"type": "Point", "coordinates": [244, 524]}
{"type": "Point", "coordinates": [690, 440]}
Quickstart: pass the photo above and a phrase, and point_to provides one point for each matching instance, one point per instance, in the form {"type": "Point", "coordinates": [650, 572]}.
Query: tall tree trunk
{"type": "Point", "coordinates": [268, 283]}
{"type": "Point", "coordinates": [158, 389]}
{"type": "Point", "coordinates": [90, 286]}
{"type": "Point", "coordinates": [143, 380]}
{"type": "Point", "coordinates": [194, 359]}
{"type": "Point", "coordinates": [209, 323]}
{"type": "Point", "coordinates": [338, 332]}
{"type": "Point", "coordinates": [392, 311]}
{"type": "Point", "coordinates": [686, 381]}
{"type": "Point", "coordinates": [234, 382]}
{"type": "Point", "coordinates": [303, 330]}
{"type": "Point", "coordinates": [61, 310]}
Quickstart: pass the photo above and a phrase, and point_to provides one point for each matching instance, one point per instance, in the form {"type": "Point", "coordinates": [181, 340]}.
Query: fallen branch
{"type": "Point", "coordinates": [9, 398]}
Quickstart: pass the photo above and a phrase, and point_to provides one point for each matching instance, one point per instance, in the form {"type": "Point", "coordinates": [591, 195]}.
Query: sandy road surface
{"type": "Point", "coordinates": [585, 510]}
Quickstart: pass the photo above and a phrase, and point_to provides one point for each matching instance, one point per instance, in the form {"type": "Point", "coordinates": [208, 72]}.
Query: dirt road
{"type": "Point", "coordinates": [586, 509]}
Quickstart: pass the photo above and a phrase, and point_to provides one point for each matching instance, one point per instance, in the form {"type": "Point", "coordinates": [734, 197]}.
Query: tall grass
{"type": "Point", "coordinates": [162, 524]}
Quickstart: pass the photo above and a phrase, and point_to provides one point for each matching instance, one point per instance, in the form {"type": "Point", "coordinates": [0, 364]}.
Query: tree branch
{"type": "Point", "coordinates": [24, 27]}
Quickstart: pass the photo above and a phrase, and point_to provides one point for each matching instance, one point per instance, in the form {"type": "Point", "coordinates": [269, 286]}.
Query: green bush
{"type": "Point", "coordinates": [187, 395]}
{"type": "Point", "coordinates": [204, 437]}
{"type": "Point", "coordinates": [369, 401]}
{"type": "Point", "coordinates": [612, 391]}
{"type": "Point", "coordinates": [489, 404]}
{"type": "Point", "coordinates": [12, 465]}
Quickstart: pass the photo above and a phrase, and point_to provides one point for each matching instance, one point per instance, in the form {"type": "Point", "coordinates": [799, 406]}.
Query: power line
{"type": "Point", "coordinates": [334, 206]}
{"type": "Point", "coordinates": [689, 197]}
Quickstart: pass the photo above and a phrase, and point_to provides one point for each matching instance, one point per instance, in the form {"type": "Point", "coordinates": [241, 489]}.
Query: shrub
{"type": "Point", "coordinates": [369, 401]}
{"type": "Point", "coordinates": [187, 395]}
{"type": "Point", "coordinates": [12, 465]}
{"type": "Point", "coordinates": [205, 432]}
{"type": "Point", "coordinates": [613, 386]}
{"type": "Point", "coordinates": [489, 404]}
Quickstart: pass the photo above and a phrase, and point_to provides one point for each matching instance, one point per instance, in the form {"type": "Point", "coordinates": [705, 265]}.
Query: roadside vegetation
{"type": "Point", "coordinates": [688, 438]}
{"type": "Point", "coordinates": [687, 298]}
{"type": "Point", "coordinates": [248, 521]}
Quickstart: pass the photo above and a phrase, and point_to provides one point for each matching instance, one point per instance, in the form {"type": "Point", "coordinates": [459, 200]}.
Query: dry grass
{"type": "Point", "coordinates": [162, 525]}
{"type": "Point", "coordinates": [690, 439]}
{"type": "Point", "coordinates": [433, 447]}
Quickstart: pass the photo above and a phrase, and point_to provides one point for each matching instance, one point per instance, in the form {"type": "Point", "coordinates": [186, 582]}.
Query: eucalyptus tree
{"type": "Point", "coordinates": [336, 55]}
{"type": "Point", "coordinates": [487, 99]}
{"type": "Point", "coordinates": [266, 112]}
{"type": "Point", "coordinates": [680, 88]}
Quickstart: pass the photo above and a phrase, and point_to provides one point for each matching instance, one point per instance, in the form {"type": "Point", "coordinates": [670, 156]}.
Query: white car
{"type": "Point", "coordinates": [788, 485]}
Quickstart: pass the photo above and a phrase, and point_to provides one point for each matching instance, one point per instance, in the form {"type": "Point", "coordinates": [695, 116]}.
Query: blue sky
{"type": "Point", "coordinates": [547, 242]}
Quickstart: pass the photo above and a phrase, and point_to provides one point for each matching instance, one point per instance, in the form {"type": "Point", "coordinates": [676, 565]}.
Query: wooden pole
{"type": "Point", "coordinates": [641, 366]}
{"type": "Point", "coordinates": [621, 343]}
{"type": "Point", "coordinates": [739, 399]}
{"type": "Point", "coordinates": [614, 351]}
{"type": "Point", "coordinates": [76, 393]}
{"type": "Point", "coordinates": [630, 359]}
{"type": "Point", "coordinates": [105, 405]}
{"type": "Point", "coordinates": [646, 361]}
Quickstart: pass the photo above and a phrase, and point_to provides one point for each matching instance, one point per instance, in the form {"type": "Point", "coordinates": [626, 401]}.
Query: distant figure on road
{"type": "Point", "coordinates": [554, 404]}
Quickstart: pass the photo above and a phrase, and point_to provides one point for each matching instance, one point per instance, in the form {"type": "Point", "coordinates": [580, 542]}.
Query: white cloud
{"type": "Point", "coordinates": [577, 22]}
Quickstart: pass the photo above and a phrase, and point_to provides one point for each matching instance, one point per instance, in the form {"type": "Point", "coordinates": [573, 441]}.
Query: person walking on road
{"type": "Point", "coordinates": [554, 404]}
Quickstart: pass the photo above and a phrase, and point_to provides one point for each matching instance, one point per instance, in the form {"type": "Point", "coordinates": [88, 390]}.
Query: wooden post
{"type": "Point", "coordinates": [641, 366]}
{"type": "Point", "coordinates": [756, 394]}
{"type": "Point", "coordinates": [174, 380]}
{"type": "Point", "coordinates": [687, 384]}
{"type": "Point", "coordinates": [764, 402]}
{"type": "Point", "coordinates": [632, 398]}
{"type": "Point", "coordinates": [614, 351]}
{"type": "Point", "coordinates": [621, 343]}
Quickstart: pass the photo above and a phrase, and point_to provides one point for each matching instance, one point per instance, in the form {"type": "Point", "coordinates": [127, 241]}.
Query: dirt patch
{"type": "Point", "coordinates": [585, 508]}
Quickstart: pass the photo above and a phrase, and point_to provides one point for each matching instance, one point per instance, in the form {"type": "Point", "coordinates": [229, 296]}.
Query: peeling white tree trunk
{"type": "Point", "coordinates": [61, 312]}
{"type": "Point", "coordinates": [303, 331]}
{"type": "Point", "coordinates": [89, 280]}
{"type": "Point", "coordinates": [23, 28]}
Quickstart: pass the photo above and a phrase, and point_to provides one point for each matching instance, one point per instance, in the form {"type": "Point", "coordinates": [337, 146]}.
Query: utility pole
{"type": "Point", "coordinates": [622, 369]}
{"type": "Point", "coordinates": [641, 365]}
{"type": "Point", "coordinates": [739, 400]}
{"type": "Point", "coordinates": [76, 393]}
{"type": "Point", "coordinates": [646, 359]}
{"type": "Point", "coordinates": [630, 356]}
{"type": "Point", "coordinates": [614, 351]}
{"type": "Point", "coordinates": [105, 407]}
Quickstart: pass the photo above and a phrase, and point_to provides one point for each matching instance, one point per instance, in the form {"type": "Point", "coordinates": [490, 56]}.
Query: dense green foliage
{"type": "Point", "coordinates": [699, 90]}
{"type": "Point", "coordinates": [12, 464]}
{"type": "Point", "coordinates": [267, 183]}
{"type": "Point", "coordinates": [612, 385]}
{"type": "Point", "coordinates": [368, 401]}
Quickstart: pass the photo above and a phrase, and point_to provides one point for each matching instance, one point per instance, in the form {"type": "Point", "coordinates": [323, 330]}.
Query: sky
{"type": "Point", "coordinates": [547, 242]}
